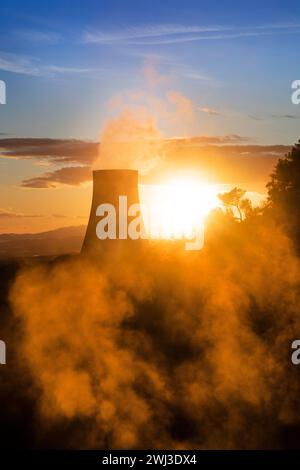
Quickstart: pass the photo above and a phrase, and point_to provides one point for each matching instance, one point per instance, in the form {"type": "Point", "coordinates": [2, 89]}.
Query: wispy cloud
{"type": "Point", "coordinates": [8, 213]}
{"type": "Point", "coordinates": [285, 116]}
{"type": "Point", "coordinates": [19, 64]}
{"type": "Point", "coordinates": [144, 32]}
{"type": "Point", "coordinates": [255, 118]}
{"type": "Point", "coordinates": [73, 176]}
{"type": "Point", "coordinates": [212, 140]}
{"type": "Point", "coordinates": [273, 116]}
{"type": "Point", "coordinates": [71, 70]}
{"type": "Point", "coordinates": [59, 216]}
{"type": "Point", "coordinates": [172, 34]}
{"type": "Point", "coordinates": [211, 111]}
{"type": "Point", "coordinates": [196, 75]}
{"type": "Point", "coordinates": [27, 65]}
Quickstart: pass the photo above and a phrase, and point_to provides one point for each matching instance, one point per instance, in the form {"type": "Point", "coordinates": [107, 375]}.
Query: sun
{"type": "Point", "coordinates": [177, 208]}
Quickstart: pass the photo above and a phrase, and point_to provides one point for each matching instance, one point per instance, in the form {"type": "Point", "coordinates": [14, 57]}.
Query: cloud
{"type": "Point", "coordinates": [227, 158]}
{"type": "Point", "coordinates": [213, 139]}
{"type": "Point", "coordinates": [196, 76]}
{"type": "Point", "coordinates": [64, 216]}
{"type": "Point", "coordinates": [59, 216]}
{"type": "Point", "coordinates": [172, 33]}
{"type": "Point", "coordinates": [255, 118]}
{"type": "Point", "coordinates": [73, 176]}
{"type": "Point", "coordinates": [19, 64]}
{"type": "Point", "coordinates": [142, 32]}
{"type": "Point", "coordinates": [211, 111]}
{"type": "Point", "coordinates": [27, 65]}
{"type": "Point", "coordinates": [285, 116]}
{"type": "Point", "coordinates": [71, 70]}
{"type": "Point", "coordinates": [53, 150]}
{"type": "Point", "coordinates": [7, 213]}
{"type": "Point", "coordinates": [273, 116]}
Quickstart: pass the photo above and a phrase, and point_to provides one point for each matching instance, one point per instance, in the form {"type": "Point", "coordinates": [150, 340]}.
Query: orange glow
{"type": "Point", "coordinates": [178, 208]}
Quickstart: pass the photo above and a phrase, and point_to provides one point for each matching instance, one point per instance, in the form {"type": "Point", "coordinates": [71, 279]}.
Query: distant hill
{"type": "Point", "coordinates": [55, 242]}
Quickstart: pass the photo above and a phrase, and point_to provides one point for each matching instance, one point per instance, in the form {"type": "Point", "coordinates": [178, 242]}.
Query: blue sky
{"type": "Point", "coordinates": [63, 61]}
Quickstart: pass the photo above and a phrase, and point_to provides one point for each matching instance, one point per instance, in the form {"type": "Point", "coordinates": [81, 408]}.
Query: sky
{"type": "Point", "coordinates": [63, 62]}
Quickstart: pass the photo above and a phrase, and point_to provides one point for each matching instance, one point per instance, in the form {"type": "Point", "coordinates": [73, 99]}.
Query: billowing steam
{"type": "Point", "coordinates": [131, 139]}
{"type": "Point", "coordinates": [165, 348]}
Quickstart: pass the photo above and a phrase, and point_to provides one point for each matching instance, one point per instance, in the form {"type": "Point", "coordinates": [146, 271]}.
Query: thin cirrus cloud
{"type": "Point", "coordinates": [143, 32]}
{"type": "Point", "coordinates": [19, 64]}
{"type": "Point", "coordinates": [27, 65]}
{"type": "Point", "coordinates": [9, 214]}
{"type": "Point", "coordinates": [285, 116]}
{"type": "Point", "coordinates": [273, 116]}
{"type": "Point", "coordinates": [172, 34]}
{"type": "Point", "coordinates": [211, 111]}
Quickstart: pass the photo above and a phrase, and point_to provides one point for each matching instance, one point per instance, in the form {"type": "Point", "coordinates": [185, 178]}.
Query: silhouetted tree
{"type": "Point", "coordinates": [284, 191]}
{"type": "Point", "coordinates": [232, 199]}
{"type": "Point", "coordinates": [247, 208]}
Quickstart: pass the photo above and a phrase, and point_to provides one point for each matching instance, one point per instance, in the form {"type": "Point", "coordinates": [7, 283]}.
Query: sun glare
{"type": "Point", "coordinates": [178, 208]}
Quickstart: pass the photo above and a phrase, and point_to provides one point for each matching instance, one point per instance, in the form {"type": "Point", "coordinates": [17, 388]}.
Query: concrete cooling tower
{"type": "Point", "coordinates": [108, 185]}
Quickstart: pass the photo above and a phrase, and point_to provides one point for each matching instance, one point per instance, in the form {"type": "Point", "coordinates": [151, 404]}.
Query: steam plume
{"type": "Point", "coordinates": [184, 350]}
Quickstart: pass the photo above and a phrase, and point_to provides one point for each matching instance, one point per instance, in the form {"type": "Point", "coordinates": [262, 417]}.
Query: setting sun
{"type": "Point", "coordinates": [177, 208]}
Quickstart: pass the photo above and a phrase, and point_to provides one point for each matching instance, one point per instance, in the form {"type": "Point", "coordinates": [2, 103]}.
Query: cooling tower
{"type": "Point", "coordinates": [108, 185]}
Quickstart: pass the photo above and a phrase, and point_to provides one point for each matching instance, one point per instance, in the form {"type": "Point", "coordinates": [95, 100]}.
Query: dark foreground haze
{"type": "Point", "coordinates": [187, 350]}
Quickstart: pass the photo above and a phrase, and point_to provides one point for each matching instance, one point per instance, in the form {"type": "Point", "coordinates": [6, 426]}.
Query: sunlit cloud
{"type": "Point", "coordinates": [58, 151]}
{"type": "Point", "coordinates": [211, 111]}
{"type": "Point", "coordinates": [70, 161]}
{"type": "Point", "coordinates": [73, 176]}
